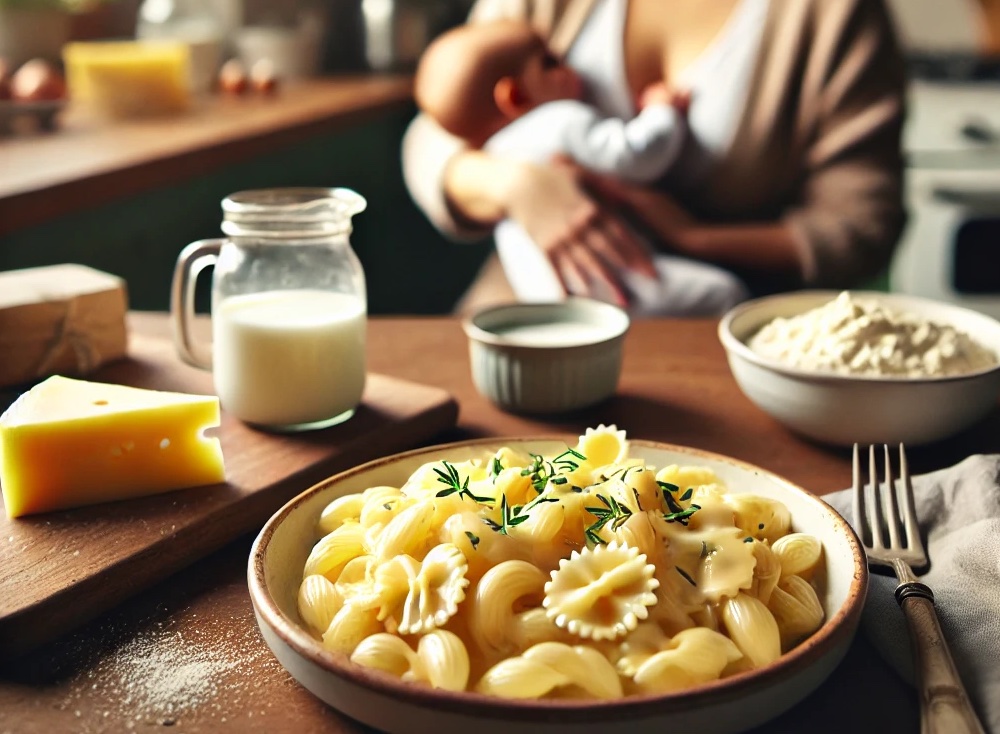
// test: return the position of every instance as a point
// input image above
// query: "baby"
(497, 86)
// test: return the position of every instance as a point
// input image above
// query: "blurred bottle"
(198, 23)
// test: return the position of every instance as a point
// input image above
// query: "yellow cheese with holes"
(67, 443)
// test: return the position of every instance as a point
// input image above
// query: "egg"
(37, 80)
(233, 77)
(263, 76)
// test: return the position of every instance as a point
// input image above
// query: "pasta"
(585, 574)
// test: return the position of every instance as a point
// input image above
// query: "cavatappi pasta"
(588, 574)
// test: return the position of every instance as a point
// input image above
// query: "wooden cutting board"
(61, 569)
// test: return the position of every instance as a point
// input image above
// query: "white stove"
(950, 250)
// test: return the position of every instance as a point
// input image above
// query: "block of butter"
(124, 79)
(67, 443)
(59, 319)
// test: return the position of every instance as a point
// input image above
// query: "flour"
(863, 337)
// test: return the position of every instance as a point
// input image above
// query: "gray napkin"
(959, 513)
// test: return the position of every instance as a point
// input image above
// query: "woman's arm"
(849, 212)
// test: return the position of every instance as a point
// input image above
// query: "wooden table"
(187, 654)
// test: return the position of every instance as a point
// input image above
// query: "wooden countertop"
(89, 162)
(187, 653)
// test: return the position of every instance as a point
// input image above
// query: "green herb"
(683, 516)
(748, 539)
(635, 493)
(623, 471)
(387, 505)
(687, 495)
(541, 471)
(508, 517)
(704, 549)
(576, 489)
(495, 468)
(473, 538)
(450, 477)
(613, 512)
(687, 578)
(667, 490)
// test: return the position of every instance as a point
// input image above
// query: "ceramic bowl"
(543, 358)
(843, 409)
(385, 702)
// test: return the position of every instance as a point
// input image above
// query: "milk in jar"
(289, 358)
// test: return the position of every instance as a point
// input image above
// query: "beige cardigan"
(818, 146)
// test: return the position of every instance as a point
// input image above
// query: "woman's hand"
(769, 248)
(586, 242)
(664, 218)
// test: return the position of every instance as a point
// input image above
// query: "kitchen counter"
(89, 163)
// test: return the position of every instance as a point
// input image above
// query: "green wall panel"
(409, 267)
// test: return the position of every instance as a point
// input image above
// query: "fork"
(944, 703)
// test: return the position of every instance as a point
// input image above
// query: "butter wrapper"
(64, 319)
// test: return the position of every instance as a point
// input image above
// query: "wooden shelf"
(88, 162)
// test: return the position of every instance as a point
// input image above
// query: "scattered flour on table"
(161, 675)
(863, 337)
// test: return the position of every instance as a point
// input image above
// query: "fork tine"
(892, 511)
(909, 513)
(876, 507)
(858, 497)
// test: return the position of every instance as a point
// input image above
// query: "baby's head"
(476, 78)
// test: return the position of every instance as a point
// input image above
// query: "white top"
(718, 79)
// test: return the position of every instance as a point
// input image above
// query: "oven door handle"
(978, 198)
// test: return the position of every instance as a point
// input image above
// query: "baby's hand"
(656, 93)
(660, 93)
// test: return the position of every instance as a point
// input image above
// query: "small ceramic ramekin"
(538, 358)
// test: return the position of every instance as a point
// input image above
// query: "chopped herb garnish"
(683, 516)
(684, 573)
(576, 489)
(613, 512)
(473, 538)
(704, 549)
(541, 472)
(668, 489)
(450, 477)
(687, 495)
(387, 505)
(748, 539)
(760, 526)
(635, 493)
(509, 517)
(495, 467)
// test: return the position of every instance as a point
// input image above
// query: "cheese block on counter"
(65, 319)
(67, 443)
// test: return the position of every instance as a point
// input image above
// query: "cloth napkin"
(959, 513)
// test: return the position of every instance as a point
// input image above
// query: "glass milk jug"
(289, 308)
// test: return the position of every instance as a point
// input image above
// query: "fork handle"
(944, 703)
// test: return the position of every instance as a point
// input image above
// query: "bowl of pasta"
(590, 584)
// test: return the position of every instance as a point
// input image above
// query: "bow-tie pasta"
(582, 574)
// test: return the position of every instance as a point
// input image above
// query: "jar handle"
(190, 263)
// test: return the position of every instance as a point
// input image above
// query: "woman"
(793, 176)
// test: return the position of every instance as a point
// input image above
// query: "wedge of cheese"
(67, 443)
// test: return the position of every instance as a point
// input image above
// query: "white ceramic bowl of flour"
(543, 358)
(842, 409)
